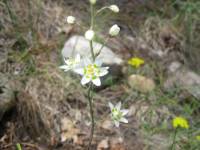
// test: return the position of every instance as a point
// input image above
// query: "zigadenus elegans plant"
(90, 68)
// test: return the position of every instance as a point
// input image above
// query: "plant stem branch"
(100, 10)
(103, 45)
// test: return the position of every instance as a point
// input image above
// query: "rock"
(141, 83)
(185, 80)
(78, 44)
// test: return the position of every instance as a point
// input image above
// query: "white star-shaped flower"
(71, 63)
(117, 114)
(91, 72)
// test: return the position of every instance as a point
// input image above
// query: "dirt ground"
(50, 109)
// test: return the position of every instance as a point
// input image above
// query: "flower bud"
(89, 35)
(71, 20)
(114, 8)
(114, 30)
(93, 2)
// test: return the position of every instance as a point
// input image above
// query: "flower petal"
(96, 81)
(118, 106)
(124, 111)
(65, 67)
(78, 58)
(111, 106)
(79, 71)
(85, 80)
(87, 61)
(103, 71)
(116, 123)
(124, 120)
(98, 62)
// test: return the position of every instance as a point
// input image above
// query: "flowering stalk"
(178, 122)
(174, 139)
(90, 97)
(91, 69)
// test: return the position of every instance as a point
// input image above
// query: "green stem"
(100, 10)
(103, 45)
(91, 86)
(92, 51)
(91, 27)
(92, 115)
(92, 16)
(174, 139)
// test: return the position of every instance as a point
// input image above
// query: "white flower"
(93, 1)
(71, 63)
(114, 30)
(71, 19)
(114, 8)
(117, 114)
(89, 35)
(92, 72)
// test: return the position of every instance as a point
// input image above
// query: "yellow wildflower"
(180, 122)
(136, 62)
(198, 137)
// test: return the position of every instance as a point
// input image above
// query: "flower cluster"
(117, 114)
(180, 122)
(71, 63)
(91, 71)
(136, 62)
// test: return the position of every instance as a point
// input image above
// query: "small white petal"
(87, 61)
(98, 62)
(65, 67)
(97, 81)
(78, 58)
(85, 80)
(79, 71)
(111, 106)
(118, 106)
(116, 123)
(124, 112)
(124, 120)
(103, 71)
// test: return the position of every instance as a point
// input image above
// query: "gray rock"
(185, 80)
(78, 44)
